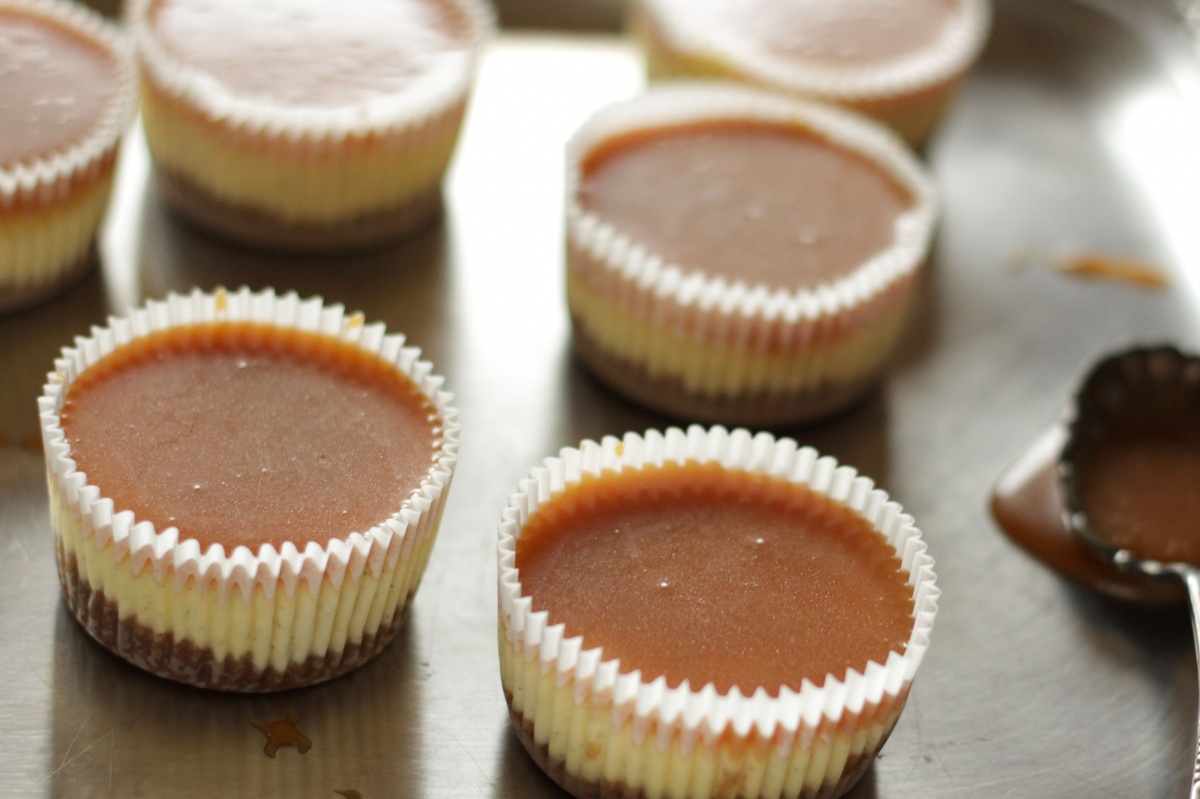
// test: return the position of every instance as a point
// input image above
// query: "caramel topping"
(697, 573)
(314, 53)
(281, 733)
(835, 32)
(1141, 492)
(54, 88)
(759, 203)
(246, 434)
(1028, 508)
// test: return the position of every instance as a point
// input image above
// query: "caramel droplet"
(283, 732)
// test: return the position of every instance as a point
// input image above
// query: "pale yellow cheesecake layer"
(39, 245)
(718, 360)
(275, 629)
(595, 745)
(299, 181)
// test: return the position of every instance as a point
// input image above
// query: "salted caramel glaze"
(697, 573)
(760, 203)
(314, 53)
(838, 32)
(54, 88)
(1141, 492)
(247, 434)
(1027, 506)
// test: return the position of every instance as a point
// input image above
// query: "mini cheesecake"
(244, 488)
(896, 60)
(707, 614)
(66, 96)
(301, 125)
(740, 258)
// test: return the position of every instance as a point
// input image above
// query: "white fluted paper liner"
(596, 725)
(51, 207)
(694, 44)
(362, 580)
(719, 336)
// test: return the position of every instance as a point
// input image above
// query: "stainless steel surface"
(1075, 132)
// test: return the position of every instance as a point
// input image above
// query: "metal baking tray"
(1079, 131)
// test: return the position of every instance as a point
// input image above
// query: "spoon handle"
(1192, 579)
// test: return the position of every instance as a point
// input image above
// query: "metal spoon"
(1152, 393)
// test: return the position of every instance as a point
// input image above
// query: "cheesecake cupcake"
(896, 60)
(66, 96)
(305, 125)
(706, 614)
(738, 257)
(244, 488)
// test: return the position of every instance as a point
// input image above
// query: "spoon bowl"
(1129, 472)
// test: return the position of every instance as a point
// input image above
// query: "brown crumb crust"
(257, 229)
(670, 396)
(856, 766)
(185, 662)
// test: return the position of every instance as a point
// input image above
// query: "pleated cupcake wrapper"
(42, 251)
(123, 543)
(52, 178)
(302, 182)
(412, 109)
(842, 705)
(693, 36)
(752, 319)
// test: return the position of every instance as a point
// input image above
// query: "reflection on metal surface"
(1154, 137)
(1032, 687)
(1189, 12)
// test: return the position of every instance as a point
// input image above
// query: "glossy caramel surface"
(54, 87)
(759, 203)
(242, 434)
(312, 53)
(713, 576)
(1141, 492)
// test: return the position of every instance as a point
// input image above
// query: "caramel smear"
(1127, 270)
(32, 443)
(1093, 265)
(281, 733)
(349, 793)
(1027, 507)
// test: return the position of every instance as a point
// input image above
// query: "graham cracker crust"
(257, 229)
(757, 409)
(856, 766)
(185, 662)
